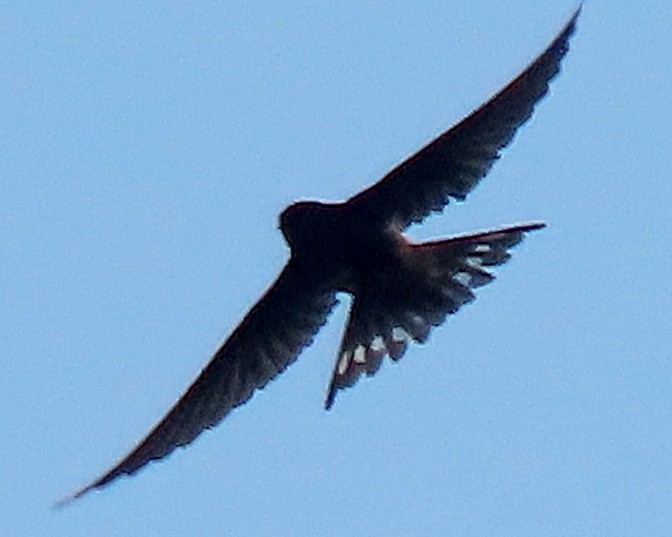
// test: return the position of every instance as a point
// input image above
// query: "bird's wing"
(385, 318)
(268, 339)
(451, 165)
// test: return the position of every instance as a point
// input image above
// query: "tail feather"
(437, 280)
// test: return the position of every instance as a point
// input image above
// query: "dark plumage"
(400, 289)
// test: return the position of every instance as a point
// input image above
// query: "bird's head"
(303, 222)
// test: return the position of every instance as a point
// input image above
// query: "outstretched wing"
(439, 279)
(268, 339)
(452, 164)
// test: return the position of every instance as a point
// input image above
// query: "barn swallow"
(400, 289)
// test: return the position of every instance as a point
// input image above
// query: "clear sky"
(146, 149)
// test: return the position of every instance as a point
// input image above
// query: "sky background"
(146, 149)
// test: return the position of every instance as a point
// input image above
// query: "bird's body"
(334, 243)
(400, 290)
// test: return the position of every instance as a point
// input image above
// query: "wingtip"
(569, 28)
(70, 498)
(96, 484)
(571, 24)
(532, 226)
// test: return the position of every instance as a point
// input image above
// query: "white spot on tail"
(377, 344)
(343, 363)
(473, 261)
(464, 278)
(399, 334)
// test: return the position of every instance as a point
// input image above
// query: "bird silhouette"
(400, 289)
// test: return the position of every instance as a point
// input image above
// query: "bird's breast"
(347, 253)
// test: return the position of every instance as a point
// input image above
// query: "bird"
(400, 290)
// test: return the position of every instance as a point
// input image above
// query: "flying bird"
(400, 289)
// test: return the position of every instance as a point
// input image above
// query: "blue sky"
(145, 152)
